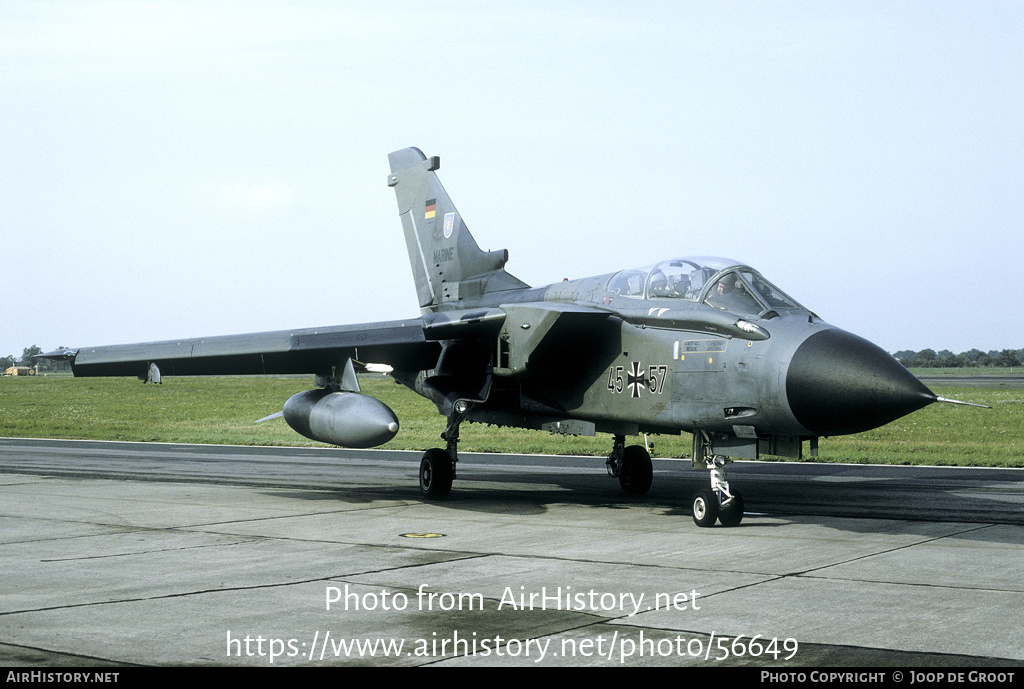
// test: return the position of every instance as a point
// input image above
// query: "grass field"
(223, 410)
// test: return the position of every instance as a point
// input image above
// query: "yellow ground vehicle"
(20, 371)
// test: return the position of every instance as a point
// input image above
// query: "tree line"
(975, 358)
(29, 357)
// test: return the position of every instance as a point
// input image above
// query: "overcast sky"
(183, 169)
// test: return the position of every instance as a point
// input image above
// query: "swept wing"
(400, 344)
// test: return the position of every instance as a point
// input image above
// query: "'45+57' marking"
(636, 379)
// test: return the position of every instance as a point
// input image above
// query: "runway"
(152, 554)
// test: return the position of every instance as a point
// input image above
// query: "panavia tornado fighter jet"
(697, 344)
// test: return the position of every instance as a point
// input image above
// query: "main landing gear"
(717, 502)
(437, 471)
(632, 466)
(437, 468)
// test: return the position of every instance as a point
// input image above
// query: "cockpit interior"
(719, 282)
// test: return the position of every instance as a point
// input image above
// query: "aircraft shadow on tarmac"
(860, 506)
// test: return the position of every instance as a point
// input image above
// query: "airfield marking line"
(65, 654)
(892, 549)
(807, 574)
(135, 553)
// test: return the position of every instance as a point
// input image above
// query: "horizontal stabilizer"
(59, 354)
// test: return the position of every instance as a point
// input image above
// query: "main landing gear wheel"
(436, 474)
(637, 472)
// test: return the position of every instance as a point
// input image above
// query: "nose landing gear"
(717, 502)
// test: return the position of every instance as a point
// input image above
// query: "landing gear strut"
(717, 502)
(437, 468)
(632, 465)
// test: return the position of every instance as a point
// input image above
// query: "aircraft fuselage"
(576, 357)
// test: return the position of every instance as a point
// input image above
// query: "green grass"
(944, 434)
(223, 410)
(968, 372)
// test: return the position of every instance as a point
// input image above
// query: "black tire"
(436, 473)
(705, 507)
(636, 472)
(731, 514)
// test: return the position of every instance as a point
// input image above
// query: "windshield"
(719, 282)
(743, 290)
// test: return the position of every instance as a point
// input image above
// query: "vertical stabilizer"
(448, 266)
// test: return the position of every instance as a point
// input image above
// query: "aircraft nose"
(839, 383)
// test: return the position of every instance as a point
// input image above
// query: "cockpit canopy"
(718, 282)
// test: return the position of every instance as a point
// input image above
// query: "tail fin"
(449, 268)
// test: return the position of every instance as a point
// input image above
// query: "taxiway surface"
(148, 554)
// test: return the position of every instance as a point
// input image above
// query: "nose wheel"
(731, 513)
(705, 507)
(709, 506)
(719, 502)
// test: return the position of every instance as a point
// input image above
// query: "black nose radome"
(839, 383)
